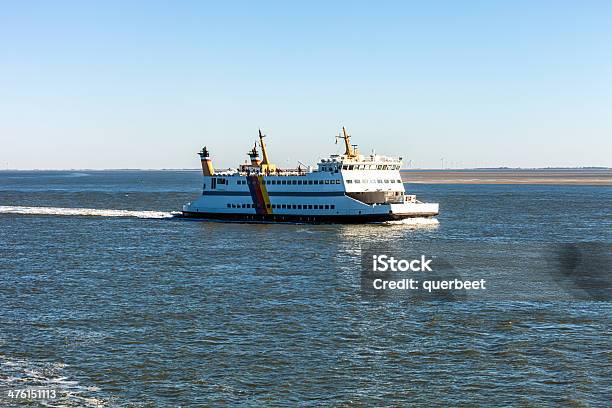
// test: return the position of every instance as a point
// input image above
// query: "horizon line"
(402, 169)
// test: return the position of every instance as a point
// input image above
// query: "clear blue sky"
(132, 84)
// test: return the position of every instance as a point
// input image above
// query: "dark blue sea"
(108, 299)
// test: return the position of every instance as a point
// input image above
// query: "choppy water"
(117, 304)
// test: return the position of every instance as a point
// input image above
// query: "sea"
(110, 300)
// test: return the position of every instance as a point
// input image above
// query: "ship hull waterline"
(310, 219)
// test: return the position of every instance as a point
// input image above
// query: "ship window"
(332, 206)
(309, 182)
(350, 167)
(299, 181)
(345, 167)
(294, 206)
(357, 181)
(284, 182)
(386, 181)
(326, 207)
(316, 181)
(293, 181)
(380, 181)
(349, 181)
(274, 182)
(229, 206)
(310, 206)
(337, 181)
(299, 206)
(392, 181)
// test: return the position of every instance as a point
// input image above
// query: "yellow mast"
(349, 151)
(265, 166)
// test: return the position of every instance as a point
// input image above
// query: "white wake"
(8, 209)
(416, 222)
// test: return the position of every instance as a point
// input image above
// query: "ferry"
(346, 188)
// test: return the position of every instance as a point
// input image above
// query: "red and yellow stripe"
(259, 194)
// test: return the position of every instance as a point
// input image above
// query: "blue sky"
(146, 84)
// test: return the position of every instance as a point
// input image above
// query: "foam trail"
(416, 222)
(7, 209)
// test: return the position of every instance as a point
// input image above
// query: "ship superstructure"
(346, 188)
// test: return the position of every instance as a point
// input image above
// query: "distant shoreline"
(553, 176)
